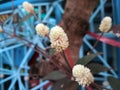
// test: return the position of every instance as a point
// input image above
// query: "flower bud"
(28, 7)
(106, 24)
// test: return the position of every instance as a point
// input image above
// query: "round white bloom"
(42, 29)
(1, 75)
(28, 6)
(58, 39)
(106, 84)
(26, 78)
(82, 75)
(106, 24)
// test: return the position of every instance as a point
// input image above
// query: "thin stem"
(33, 48)
(13, 16)
(36, 16)
(40, 50)
(96, 42)
(66, 60)
(60, 67)
(98, 87)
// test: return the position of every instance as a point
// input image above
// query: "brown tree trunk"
(75, 22)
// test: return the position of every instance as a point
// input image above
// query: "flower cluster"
(42, 29)
(58, 38)
(106, 24)
(82, 75)
(28, 7)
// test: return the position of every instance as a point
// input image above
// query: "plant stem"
(96, 42)
(66, 60)
(60, 67)
(40, 50)
(36, 16)
(99, 87)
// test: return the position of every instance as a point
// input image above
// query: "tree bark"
(75, 22)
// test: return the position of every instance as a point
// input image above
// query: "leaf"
(97, 68)
(55, 75)
(51, 51)
(65, 84)
(86, 59)
(114, 82)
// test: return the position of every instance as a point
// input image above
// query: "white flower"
(26, 78)
(1, 75)
(28, 7)
(82, 75)
(1, 30)
(42, 29)
(106, 24)
(58, 38)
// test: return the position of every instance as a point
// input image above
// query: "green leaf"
(65, 84)
(114, 82)
(97, 68)
(55, 75)
(86, 59)
(51, 51)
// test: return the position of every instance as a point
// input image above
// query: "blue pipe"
(8, 5)
(116, 11)
(12, 83)
(40, 85)
(100, 57)
(6, 79)
(5, 71)
(100, 7)
(21, 86)
(1, 65)
(116, 16)
(11, 47)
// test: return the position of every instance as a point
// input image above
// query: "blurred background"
(16, 58)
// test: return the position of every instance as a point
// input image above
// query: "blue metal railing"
(8, 46)
(116, 13)
(24, 61)
(101, 11)
(100, 8)
(8, 5)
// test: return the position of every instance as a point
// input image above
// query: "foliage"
(65, 84)
(55, 75)
(97, 68)
(86, 59)
(114, 82)
(56, 65)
